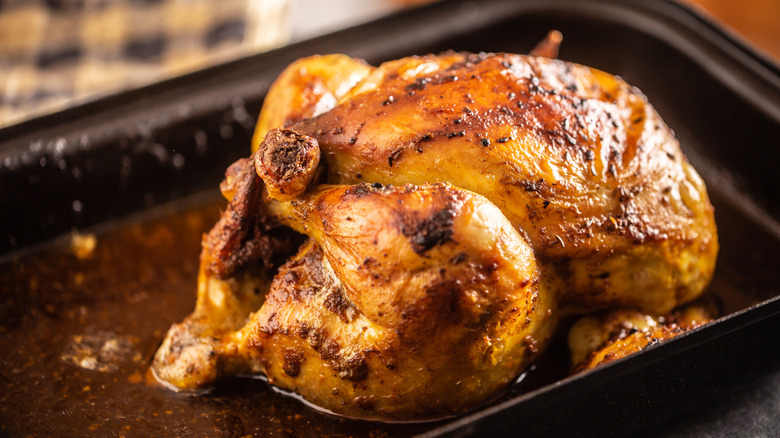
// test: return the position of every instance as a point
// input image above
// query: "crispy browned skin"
(306, 88)
(243, 235)
(575, 158)
(523, 188)
(598, 339)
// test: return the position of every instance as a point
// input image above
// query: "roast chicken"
(447, 211)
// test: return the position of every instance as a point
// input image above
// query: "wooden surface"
(756, 21)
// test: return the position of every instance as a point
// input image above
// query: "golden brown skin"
(595, 340)
(523, 188)
(308, 87)
(414, 302)
(576, 159)
(192, 356)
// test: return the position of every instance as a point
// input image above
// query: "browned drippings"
(79, 325)
(81, 319)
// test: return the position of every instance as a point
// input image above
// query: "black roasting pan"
(139, 171)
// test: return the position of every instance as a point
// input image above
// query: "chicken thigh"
(408, 302)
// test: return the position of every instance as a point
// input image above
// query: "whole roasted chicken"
(453, 208)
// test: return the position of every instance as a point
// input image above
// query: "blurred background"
(57, 53)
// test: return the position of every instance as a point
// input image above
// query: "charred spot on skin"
(312, 266)
(336, 302)
(292, 362)
(303, 330)
(490, 268)
(456, 134)
(329, 349)
(369, 263)
(419, 84)
(363, 189)
(358, 191)
(390, 99)
(589, 155)
(430, 232)
(443, 299)
(270, 326)
(315, 337)
(354, 368)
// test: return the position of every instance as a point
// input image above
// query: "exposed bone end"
(185, 362)
(549, 46)
(287, 162)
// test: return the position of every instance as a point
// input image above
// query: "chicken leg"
(408, 302)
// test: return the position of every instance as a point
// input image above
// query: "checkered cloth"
(57, 52)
